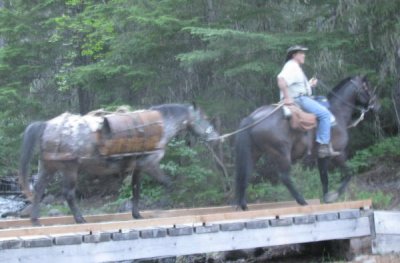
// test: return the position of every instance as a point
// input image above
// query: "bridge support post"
(348, 249)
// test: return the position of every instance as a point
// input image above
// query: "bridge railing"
(9, 186)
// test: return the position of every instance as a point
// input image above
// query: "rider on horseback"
(295, 87)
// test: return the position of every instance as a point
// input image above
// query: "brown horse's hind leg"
(287, 181)
(70, 176)
(39, 187)
(284, 174)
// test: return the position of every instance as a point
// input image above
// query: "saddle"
(299, 119)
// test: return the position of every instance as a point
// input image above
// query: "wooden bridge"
(116, 237)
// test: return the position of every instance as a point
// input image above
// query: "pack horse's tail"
(31, 137)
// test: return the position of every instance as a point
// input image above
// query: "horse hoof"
(242, 207)
(137, 216)
(35, 222)
(331, 197)
(80, 221)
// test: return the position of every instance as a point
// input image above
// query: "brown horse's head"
(365, 95)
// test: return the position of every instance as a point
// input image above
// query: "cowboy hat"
(296, 48)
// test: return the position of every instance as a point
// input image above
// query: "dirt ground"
(384, 178)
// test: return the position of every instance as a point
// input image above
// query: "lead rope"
(226, 135)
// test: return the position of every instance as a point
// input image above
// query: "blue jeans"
(323, 115)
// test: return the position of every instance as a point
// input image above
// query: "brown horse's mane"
(338, 86)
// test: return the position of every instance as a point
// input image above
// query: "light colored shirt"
(295, 79)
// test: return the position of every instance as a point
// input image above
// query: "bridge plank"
(65, 220)
(191, 219)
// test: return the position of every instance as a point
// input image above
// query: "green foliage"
(380, 199)
(150, 190)
(62, 208)
(266, 192)
(388, 149)
(193, 184)
(307, 181)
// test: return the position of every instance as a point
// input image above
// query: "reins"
(226, 135)
(361, 118)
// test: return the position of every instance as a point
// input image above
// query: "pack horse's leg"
(136, 192)
(40, 185)
(70, 177)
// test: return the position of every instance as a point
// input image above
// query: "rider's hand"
(313, 82)
(288, 101)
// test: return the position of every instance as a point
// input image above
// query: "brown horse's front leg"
(328, 197)
(346, 174)
(323, 174)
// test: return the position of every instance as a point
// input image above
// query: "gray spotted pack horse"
(68, 144)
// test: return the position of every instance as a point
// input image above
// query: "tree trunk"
(84, 100)
(211, 14)
(396, 91)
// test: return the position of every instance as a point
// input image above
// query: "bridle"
(196, 120)
(359, 90)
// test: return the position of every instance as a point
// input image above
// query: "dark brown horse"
(274, 137)
(77, 151)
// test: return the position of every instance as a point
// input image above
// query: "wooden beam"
(190, 219)
(66, 220)
(387, 230)
(387, 222)
(140, 248)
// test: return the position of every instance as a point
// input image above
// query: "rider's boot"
(326, 150)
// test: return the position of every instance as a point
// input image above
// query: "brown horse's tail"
(31, 136)
(244, 162)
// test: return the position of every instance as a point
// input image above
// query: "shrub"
(388, 148)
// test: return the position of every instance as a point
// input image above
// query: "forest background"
(81, 55)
